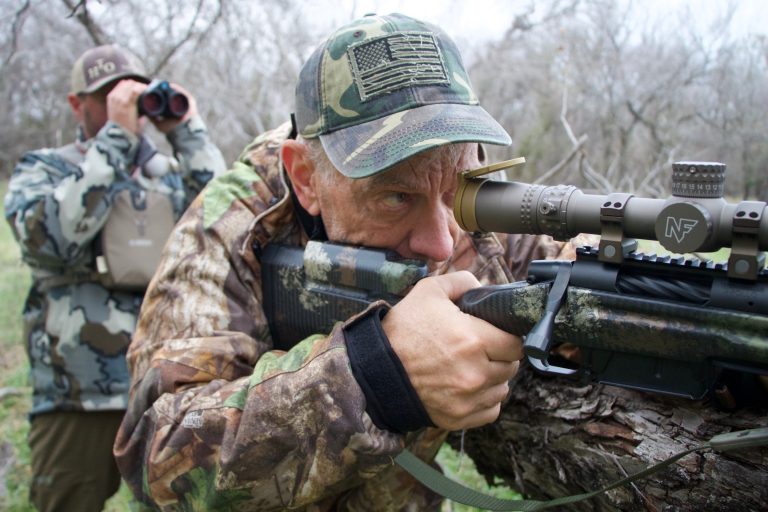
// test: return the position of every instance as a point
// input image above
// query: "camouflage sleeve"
(217, 419)
(56, 208)
(522, 249)
(199, 158)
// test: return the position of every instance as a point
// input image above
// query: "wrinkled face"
(408, 209)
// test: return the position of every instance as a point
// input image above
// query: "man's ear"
(300, 170)
(76, 105)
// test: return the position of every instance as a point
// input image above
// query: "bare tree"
(80, 12)
(642, 97)
(588, 96)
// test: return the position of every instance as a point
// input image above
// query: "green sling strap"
(439, 483)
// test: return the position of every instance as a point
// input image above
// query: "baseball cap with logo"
(384, 88)
(103, 64)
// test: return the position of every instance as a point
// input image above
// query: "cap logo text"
(396, 61)
(106, 67)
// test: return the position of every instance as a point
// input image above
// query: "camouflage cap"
(103, 64)
(384, 88)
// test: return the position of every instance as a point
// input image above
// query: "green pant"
(72, 464)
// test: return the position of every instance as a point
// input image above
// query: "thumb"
(456, 284)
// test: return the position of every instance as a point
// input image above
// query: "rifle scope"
(695, 218)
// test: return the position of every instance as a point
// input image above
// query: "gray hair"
(317, 154)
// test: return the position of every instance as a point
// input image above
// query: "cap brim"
(95, 86)
(369, 148)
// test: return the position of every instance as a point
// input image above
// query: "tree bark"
(555, 438)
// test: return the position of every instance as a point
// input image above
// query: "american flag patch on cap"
(396, 61)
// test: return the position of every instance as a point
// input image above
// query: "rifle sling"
(439, 483)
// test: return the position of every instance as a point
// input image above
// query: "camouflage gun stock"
(307, 290)
(662, 324)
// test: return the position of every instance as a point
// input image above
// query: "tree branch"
(562, 163)
(80, 11)
(592, 176)
(18, 20)
(190, 31)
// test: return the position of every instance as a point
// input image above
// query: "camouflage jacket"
(218, 419)
(57, 202)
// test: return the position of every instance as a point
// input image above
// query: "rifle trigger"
(539, 340)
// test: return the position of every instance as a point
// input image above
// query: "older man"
(385, 119)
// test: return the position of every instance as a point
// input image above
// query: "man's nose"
(431, 237)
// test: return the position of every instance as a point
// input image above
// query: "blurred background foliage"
(602, 94)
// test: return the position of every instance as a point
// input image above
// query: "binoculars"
(159, 99)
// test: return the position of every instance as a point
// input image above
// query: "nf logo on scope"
(678, 228)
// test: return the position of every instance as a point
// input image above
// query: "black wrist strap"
(391, 401)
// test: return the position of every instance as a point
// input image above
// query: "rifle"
(663, 324)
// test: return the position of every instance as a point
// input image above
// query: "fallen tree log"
(556, 438)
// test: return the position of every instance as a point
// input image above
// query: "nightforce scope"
(159, 99)
(695, 218)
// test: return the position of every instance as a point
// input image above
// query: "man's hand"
(166, 124)
(122, 105)
(459, 365)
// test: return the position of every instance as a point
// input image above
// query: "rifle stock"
(307, 291)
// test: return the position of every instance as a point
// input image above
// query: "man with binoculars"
(77, 328)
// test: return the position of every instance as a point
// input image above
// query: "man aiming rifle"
(226, 412)
(385, 120)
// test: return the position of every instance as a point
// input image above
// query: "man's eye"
(395, 199)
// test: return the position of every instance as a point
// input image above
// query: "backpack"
(132, 239)
(129, 245)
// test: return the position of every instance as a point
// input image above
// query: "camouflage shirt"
(58, 200)
(218, 419)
